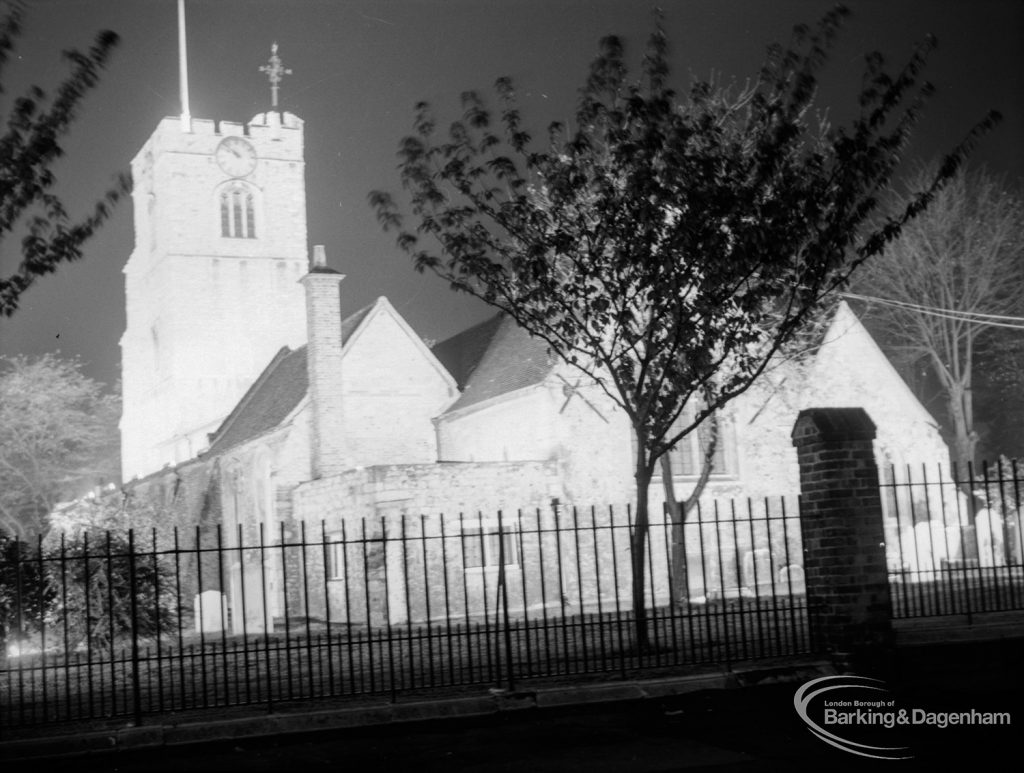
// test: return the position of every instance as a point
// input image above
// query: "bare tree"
(945, 283)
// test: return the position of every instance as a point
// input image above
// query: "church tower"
(212, 285)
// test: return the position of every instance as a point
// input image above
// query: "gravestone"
(210, 612)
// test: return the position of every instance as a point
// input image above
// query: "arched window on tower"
(237, 213)
(250, 217)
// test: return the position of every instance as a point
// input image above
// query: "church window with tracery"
(237, 213)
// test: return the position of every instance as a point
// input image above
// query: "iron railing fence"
(118, 626)
(953, 539)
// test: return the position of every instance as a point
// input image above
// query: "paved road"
(751, 729)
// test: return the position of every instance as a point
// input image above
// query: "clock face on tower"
(236, 156)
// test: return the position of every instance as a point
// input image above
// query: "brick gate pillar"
(843, 539)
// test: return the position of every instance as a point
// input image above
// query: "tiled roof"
(461, 353)
(279, 388)
(493, 358)
(277, 391)
(353, 321)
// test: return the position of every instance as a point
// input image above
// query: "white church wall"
(517, 426)
(257, 480)
(560, 419)
(447, 487)
(851, 369)
(594, 442)
(366, 505)
(391, 389)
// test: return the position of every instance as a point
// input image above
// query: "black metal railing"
(117, 626)
(954, 540)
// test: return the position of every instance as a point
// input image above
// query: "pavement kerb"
(978, 627)
(159, 735)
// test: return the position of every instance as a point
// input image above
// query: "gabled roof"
(845, 321)
(275, 394)
(493, 358)
(841, 310)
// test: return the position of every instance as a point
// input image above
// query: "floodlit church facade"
(256, 403)
(212, 286)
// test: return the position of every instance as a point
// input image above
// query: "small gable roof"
(275, 394)
(493, 358)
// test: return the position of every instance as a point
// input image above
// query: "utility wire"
(977, 318)
(931, 308)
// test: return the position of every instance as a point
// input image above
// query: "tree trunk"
(638, 552)
(674, 510)
(679, 511)
(964, 438)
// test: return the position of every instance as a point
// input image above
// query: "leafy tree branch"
(29, 149)
(674, 243)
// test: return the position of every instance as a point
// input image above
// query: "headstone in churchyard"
(210, 612)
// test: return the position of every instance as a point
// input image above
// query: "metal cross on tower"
(274, 72)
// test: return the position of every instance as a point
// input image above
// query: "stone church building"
(256, 402)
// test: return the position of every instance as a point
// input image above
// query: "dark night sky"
(360, 66)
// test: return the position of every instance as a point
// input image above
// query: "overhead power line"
(977, 318)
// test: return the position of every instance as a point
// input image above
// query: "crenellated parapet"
(276, 136)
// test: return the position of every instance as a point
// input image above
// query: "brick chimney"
(323, 358)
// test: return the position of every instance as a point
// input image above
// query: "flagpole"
(186, 118)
